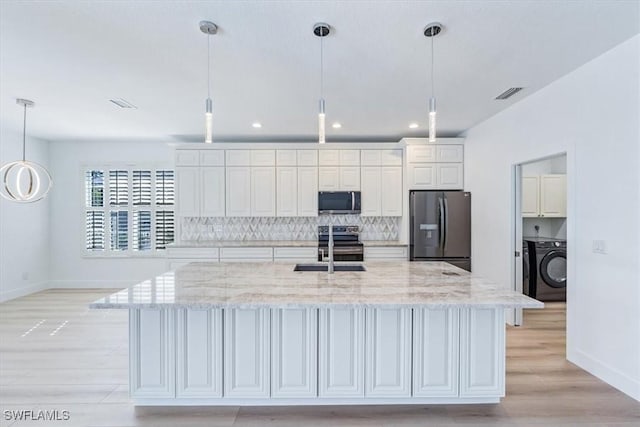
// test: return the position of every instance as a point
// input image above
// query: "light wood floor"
(55, 353)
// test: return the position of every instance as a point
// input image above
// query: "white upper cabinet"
(544, 196)
(263, 157)
(287, 191)
(188, 191)
(449, 176)
(307, 157)
(212, 191)
(422, 176)
(329, 178)
(286, 158)
(349, 157)
(329, 157)
(212, 158)
(349, 178)
(370, 157)
(263, 191)
(307, 191)
(371, 191)
(238, 194)
(238, 157)
(421, 153)
(530, 196)
(391, 193)
(187, 158)
(449, 153)
(391, 157)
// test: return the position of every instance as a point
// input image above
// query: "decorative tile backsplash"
(283, 228)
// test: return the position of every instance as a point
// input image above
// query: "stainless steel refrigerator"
(441, 227)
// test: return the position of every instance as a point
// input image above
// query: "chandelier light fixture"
(321, 30)
(431, 31)
(24, 181)
(209, 28)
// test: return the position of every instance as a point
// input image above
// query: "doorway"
(540, 231)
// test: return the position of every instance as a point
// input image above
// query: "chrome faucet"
(330, 247)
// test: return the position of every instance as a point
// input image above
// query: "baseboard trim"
(23, 291)
(88, 284)
(606, 373)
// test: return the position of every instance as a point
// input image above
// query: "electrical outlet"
(599, 247)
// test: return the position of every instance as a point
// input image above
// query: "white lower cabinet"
(151, 353)
(341, 352)
(482, 352)
(199, 353)
(435, 352)
(246, 353)
(294, 337)
(388, 350)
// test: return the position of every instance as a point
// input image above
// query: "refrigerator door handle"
(446, 223)
(441, 214)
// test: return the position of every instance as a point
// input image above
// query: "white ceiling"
(71, 57)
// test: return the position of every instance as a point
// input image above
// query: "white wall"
(592, 114)
(70, 267)
(24, 228)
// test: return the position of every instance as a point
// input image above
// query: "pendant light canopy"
(321, 30)
(209, 28)
(431, 31)
(24, 181)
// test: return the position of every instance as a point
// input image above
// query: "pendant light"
(431, 31)
(209, 28)
(24, 181)
(321, 30)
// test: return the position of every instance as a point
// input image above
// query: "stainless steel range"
(347, 245)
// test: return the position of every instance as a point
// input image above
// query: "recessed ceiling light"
(413, 126)
(336, 125)
(257, 125)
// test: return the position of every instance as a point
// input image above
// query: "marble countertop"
(276, 285)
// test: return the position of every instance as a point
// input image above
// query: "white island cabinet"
(261, 334)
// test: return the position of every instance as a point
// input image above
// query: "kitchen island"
(261, 334)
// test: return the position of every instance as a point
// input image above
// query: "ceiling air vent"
(123, 103)
(509, 93)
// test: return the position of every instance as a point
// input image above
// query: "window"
(128, 210)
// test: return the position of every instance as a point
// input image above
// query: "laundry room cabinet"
(544, 196)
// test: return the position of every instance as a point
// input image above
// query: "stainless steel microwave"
(339, 202)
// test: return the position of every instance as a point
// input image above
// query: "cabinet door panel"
(391, 190)
(238, 194)
(187, 158)
(349, 157)
(329, 179)
(530, 196)
(553, 196)
(328, 157)
(307, 191)
(449, 176)
(287, 191)
(435, 352)
(151, 344)
(263, 157)
(370, 157)
(238, 157)
(307, 157)
(246, 353)
(263, 191)
(421, 153)
(340, 353)
(482, 363)
(422, 177)
(449, 153)
(349, 178)
(199, 353)
(211, 157)
(294, 352)
(286, 158)
(371, 191)
(212, 199)
(388, 344)
(188, 191)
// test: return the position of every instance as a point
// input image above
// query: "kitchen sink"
(325, 267)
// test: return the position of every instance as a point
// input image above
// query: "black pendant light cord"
(24, 133)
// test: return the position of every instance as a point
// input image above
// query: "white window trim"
(129, 167)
